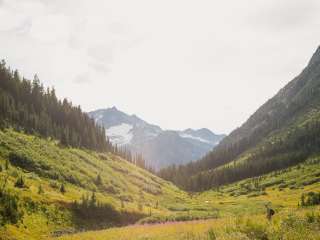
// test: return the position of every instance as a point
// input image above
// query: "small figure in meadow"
(270, 211)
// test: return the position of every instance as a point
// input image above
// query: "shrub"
(10, 212)
(22, 161)
(6, 166)
(310, 199)
(20, 183)
(62, 189)
(98, 180)
(95, 213)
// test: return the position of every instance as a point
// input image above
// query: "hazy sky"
(177, 64)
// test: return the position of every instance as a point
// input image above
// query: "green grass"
(241, 211)
(124, 185)
(289, 225)
(128, 188)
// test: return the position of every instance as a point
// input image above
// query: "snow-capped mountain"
(159, 147)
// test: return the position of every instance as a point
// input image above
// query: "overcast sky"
(178, 64)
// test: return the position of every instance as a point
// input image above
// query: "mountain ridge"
(151, 140)
(275, 136)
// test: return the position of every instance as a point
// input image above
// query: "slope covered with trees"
(28, 106)
(70, 189)
(283, 132)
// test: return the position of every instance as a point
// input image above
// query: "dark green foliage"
(27, 105)
(310, 199)
(6, 167)
(62, 189)
(98, 180)
(98, 214)
(22, 161)
(20, 183)
(10, 212)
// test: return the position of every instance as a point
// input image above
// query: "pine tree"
(62, 189)
(19, 183)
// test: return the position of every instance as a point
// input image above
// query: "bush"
(22, 161)
(93, 212)
(310, 199)
(98, 180)
(62, 189)
(9, 209)
(20, 183)
(311, 181)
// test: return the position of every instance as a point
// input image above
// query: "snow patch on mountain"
(184, 135)
(159, 147)
(120, 134)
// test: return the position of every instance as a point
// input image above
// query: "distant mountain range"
(159, 147)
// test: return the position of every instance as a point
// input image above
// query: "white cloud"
(176, 63)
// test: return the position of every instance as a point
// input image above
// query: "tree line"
(28, 106)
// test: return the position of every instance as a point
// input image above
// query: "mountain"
(159, 147)
(281, 133)
(58, 171)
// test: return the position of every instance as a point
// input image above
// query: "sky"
(175, 63)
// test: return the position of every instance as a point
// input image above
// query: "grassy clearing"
(139, 195)
(290, 225)
(122, 185)
(240, 211)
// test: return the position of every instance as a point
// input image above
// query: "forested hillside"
(283, 132)
(27, 106)
(65, 190)
(58, 171)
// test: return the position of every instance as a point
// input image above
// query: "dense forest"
(27, 106)
(271, 139)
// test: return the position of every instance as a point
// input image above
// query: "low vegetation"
(69, 190)
(293, 225)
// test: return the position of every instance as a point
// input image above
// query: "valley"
(66, 174)
(139, 196)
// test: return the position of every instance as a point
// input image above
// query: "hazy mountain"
(281, 133)
(159, 147)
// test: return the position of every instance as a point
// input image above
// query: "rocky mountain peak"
(316, 57)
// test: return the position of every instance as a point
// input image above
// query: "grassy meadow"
(153, 208)
(289, 225)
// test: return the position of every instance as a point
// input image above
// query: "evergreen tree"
(62, 189)
(19, 183)
(26, 105)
